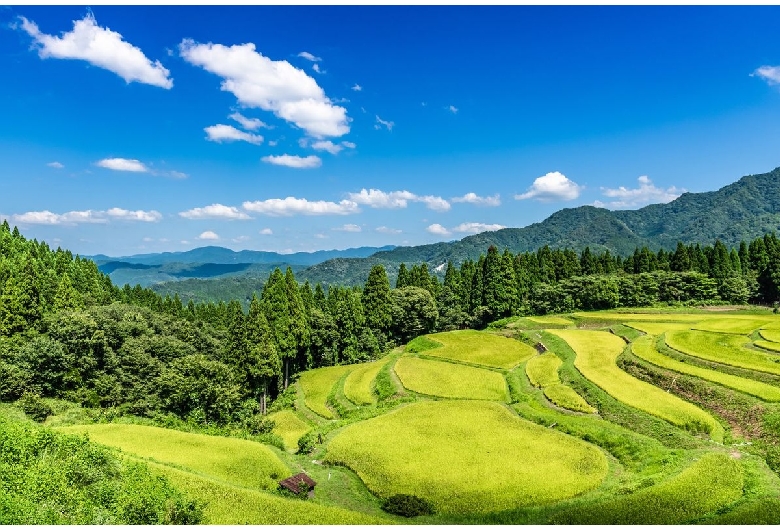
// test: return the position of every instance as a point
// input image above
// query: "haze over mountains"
(740, 211)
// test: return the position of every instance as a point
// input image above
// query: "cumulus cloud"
(208, 235)
(274, 86)
(100, 47)
(55, 165)
(387, 230)
(438, 229)
(770, 74)
(46, 217)
(250, 124)
(473, 198)
(293, 206)
(215, 211)
(309, 56)
(552, 187)
(295, 161)
(266, 232)
(646, 193)
(227, 133)
(476, 228)
(380, 122)
(348, 228)
(357, 88)
(397, 199)
(123, 164)
(330, 147)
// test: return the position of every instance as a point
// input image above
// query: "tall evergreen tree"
(377, 304)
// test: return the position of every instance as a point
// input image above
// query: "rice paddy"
(722, 348)
(772, 335)
(551, 319)
(659, 328)
(358, 386)
(644, 348)
(467, 457)
(597, 352)
(542, 371)
(289, 427)
(480, 348)
(743, 326)
(318, 384)
(444, 379)
(768, 345)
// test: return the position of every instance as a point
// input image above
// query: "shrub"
(307, 442)
(407, 505)
(35, 407)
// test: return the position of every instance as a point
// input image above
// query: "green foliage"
(414, 312)
(421, 344)
(407, 505)
(35, 407)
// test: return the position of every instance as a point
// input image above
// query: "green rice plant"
(768, 345)
(644, 348)
(478, 347)
(226, 504)
(438, 378)
(639, 317)
(239, 462)
(711, 483)
(659, 328)
(722, 348)
(743, 326)
(358, 386)
(761, 511)
(770, 334)
(551, 319)
(565, 397)
(289, 427)
(467, 457)
(421, 344)
(542, 370)
(597, 352)
(317, 385)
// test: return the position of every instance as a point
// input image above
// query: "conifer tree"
(404, 278)
(377, 304)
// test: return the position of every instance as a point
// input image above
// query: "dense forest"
(66, 331)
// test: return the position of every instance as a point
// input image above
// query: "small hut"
(296, 482)
(541, 348)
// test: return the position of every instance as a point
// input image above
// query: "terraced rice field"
(644, 348)
(542, 371)
(722, 348)
(480, 348)
(659, 328)
(772, 335)
(743, 326)
(318, 384)
(241, 463)
(444, 379)
(551, 319)
(768, 345)
(358, 386)
(451, 452)
(597, 352)
(289, 427)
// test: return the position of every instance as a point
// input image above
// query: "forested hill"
(742, 211)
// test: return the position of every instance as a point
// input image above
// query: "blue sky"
(145, 129)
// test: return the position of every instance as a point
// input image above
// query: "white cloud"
(646, 193)
(330, 147)
(250, 124)
(46, 217)
(475, 228)
(273, 143)
(215, 211)
(770, 74)
(293, 206)
(380, 122)
(552, 187)
(349, 145)
(241, 239)
(151, 216)
(438, 229)
(100, 47)
(55, 165)
(148, 239)
(317, 69)
(274, 86)
(297, 162)
(177, 175)
(208, 235)
(397, 199)
(123, 164)
(266, 232)
(387, 230)
(473, 198)
(227, 133)
(309, 56)
(357, 88)
(348, 228)
(318, 236)
(453, 109)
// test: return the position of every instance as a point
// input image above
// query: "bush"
(35, 407)
(407, 505)
(307, 442)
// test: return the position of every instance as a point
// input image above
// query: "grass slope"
(239, 462)
(722, 348)
(439, 378)
(467, 457)
(597, 352)
(644, 348)
(317, 385)
(358, 386)
(482, 348)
